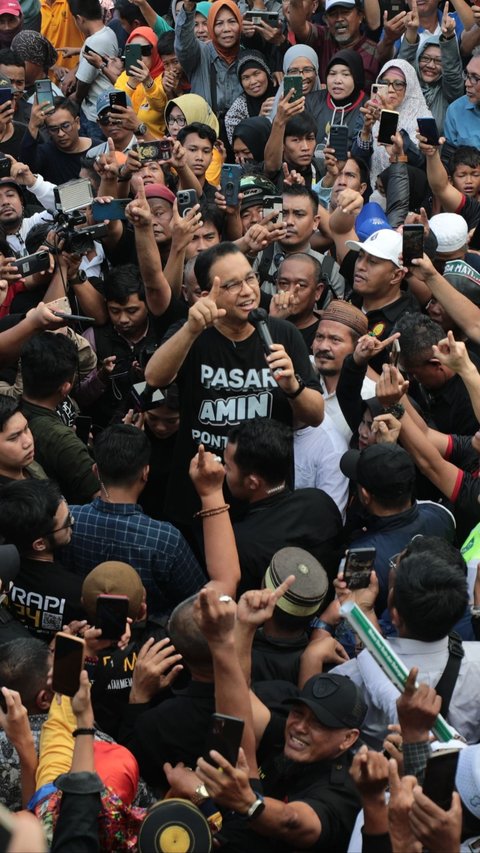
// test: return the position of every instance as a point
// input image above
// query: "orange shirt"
(59, 27)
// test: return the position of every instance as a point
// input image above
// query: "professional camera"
(70, 198)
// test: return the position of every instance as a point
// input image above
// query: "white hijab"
(413, 106)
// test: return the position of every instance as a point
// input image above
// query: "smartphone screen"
(440, 773)
(359, 564)
(388, 126)
(67, 663)
(225, 736)
(111, 616)
(83, 425)
(412, 243)
(6, 94)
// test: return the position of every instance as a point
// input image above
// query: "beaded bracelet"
(207, 513)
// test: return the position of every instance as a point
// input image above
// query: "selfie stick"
(386, 658)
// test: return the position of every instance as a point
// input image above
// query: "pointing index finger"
(215, 290)
(287, 583)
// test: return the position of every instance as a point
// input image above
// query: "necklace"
(276, 489)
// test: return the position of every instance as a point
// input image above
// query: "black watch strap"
(301, 387)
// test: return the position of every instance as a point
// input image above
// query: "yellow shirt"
(59, 27)
(149, 104)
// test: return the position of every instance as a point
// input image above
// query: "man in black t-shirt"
(222, 372)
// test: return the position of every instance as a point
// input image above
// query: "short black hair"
(9, 406)
(202, 130)
(364, 171)
(302, 192)
(24, 666)
(89, 9)
(166, 43)
(187, 638)
(129, 11)
(27, 510)
(37, 236)
(212, 213)
(311, 259)
(430, 590)
(93, 175)
(206, 259)
(465, 155)
(65, 104)
(265, 447)
(122, 282)
(418, 334)
(301, 125)
(121, 452)
(7, 57)
(48, 360)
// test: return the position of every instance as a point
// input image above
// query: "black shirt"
(45, 597)
(449, 409)
(381, 321)
(277, 657)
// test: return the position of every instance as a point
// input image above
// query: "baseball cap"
(103, 100)
(347, 4)
(335, 701)
(382, 469)
(311, 582)
(254, 189)
(339, 311)
(451, 231)
(463, 278)
(385, 243)
(112, 578)
(370, 219)
(10, 7)
(159, 191)
(9, 565)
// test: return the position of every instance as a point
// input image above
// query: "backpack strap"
(448, 679)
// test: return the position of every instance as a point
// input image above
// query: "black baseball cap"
(335, 700)
(382, 469)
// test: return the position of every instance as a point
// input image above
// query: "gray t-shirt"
(103, 42)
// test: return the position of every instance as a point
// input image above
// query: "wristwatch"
(397, 410)
(301, 387)
(78, 278)
(141, 129)
(256, 808)
(201, 794)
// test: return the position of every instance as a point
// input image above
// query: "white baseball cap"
(451, 231)
(385, 243)
(347, 3)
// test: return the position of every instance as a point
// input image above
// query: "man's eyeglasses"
(65, 127)
(398, 85)
(105, 120)
(308, 71)
(235, 286)
(69, 522)
(474, 78)
(180, 121)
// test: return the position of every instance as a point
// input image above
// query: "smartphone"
(67, 663)
(224, 735)
(395, 352)
(88, 49)
(83, 425)
(273, 203)
(133, 55)
(295, 82)
(6, 94)
(230, 183)
(111, 616)
(412, 246)
(39, 262)
(439, 782)
(5, 167)
(77, 317)
(338, 140)
(117, 99)
(45, 96)
(256, 16)
(114, 209)
(396, 6)
(388, 126)
(150, 150)
(380, 90)
(359, 564)
(186, 199)
(428, 128)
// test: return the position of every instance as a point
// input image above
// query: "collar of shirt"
(406, 646)
(400, 519)
(114, 508)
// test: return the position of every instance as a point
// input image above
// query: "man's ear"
(365, 496)
(39, 545)
(253, 482)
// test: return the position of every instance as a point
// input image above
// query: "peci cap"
(159, 191)
(254, 189)
(311, 582)
(335, 701)
(370, 219)
(385, 243)
(382, 469)
(112, 578)
(467, 778)
(103, 100)
(10, 7)
(451, 231)
(9, 565)
(174, 824)
(339, 311)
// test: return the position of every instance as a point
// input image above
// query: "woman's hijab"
(412, 106)
(293, 53)
(254, 59)
(230, 55)
(148, 34)
(254, 132)
(194, 108)
(353, 61)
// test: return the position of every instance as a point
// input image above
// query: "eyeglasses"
(398, 85)
(65, 127)
(308, 71)
(430, 60)
(107, 120)
(235, 286)
(474, 78)
(69, 522)
(180, 121)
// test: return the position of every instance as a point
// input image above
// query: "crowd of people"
(239, 401)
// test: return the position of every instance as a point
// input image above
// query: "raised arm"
(274, 147)
(437, 176)
(298, 23)
(454, 355)
(157, 290)
(461, 309)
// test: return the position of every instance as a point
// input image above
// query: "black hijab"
(254, 59)
(354, 63)
(254, 132)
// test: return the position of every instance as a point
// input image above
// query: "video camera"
(70, 200)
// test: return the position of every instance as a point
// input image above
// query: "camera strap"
(448, 679)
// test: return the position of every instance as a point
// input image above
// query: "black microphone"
(258, 318)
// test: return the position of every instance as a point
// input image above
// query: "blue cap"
(103, 100)
(370, 219)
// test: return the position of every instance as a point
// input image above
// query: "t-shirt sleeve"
(470, 210)
(85, 72)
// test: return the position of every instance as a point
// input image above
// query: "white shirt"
(104, 42)
(431, 659)
(332, 406)
(317, 452)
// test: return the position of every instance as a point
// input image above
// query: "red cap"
(158, 191)
(10, 7)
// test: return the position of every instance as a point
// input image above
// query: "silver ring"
(217, 458)
(225, 598)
